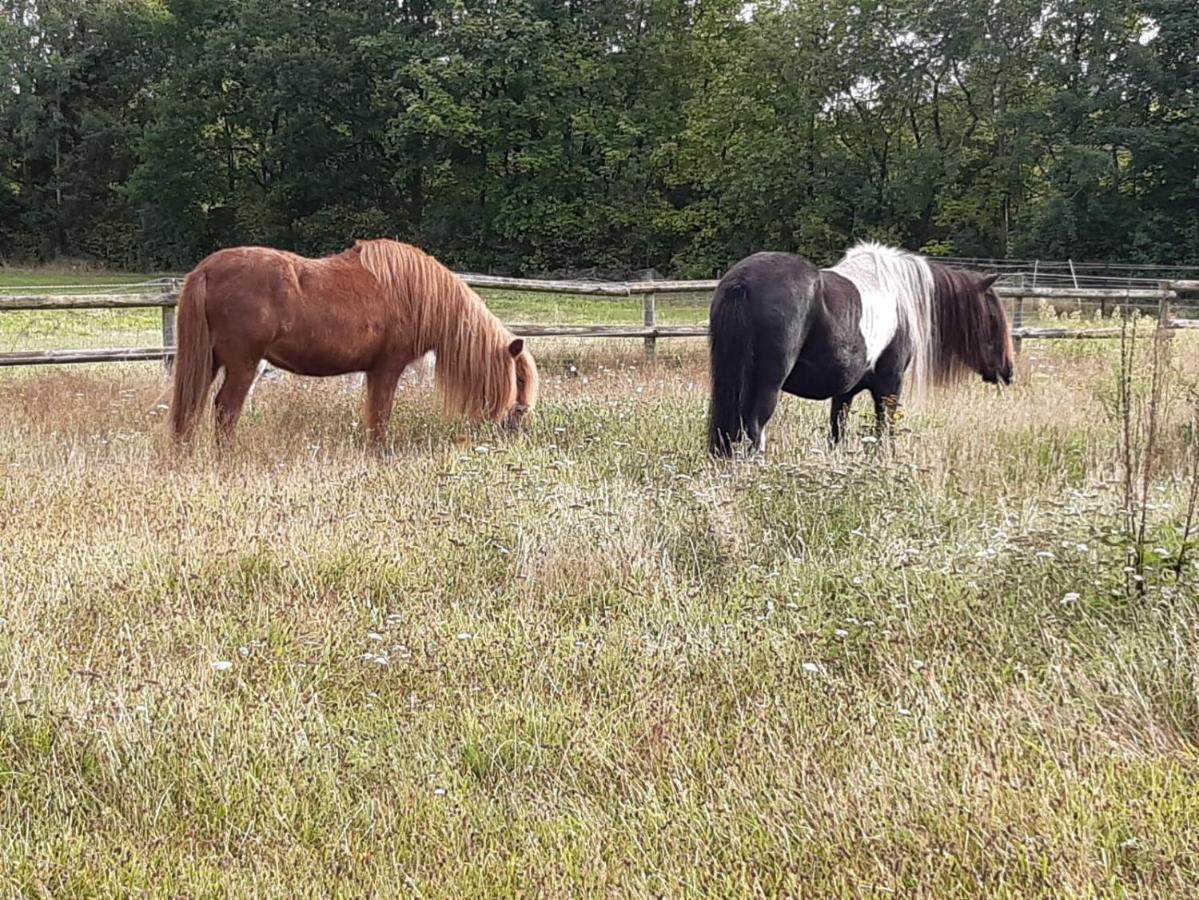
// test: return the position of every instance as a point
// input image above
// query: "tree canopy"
(553, 135)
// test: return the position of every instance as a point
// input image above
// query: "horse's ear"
(516, 347)
(987, 281)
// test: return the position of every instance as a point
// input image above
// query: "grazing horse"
(374, 308)
(778, 323)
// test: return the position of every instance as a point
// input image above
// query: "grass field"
(586, 660)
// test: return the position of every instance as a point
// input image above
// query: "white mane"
(896, 286)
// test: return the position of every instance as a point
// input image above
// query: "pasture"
(586, 659)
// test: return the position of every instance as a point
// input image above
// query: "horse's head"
(997, 357)
(526, 384)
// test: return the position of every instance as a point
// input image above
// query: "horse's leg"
(771, 372)
(380, 395)
(761, 408)
(839, 416)
(886, 401)
(230, 399)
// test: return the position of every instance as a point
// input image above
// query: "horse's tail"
(731, 358)
(193, 357)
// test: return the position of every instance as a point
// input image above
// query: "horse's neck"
(464, 319)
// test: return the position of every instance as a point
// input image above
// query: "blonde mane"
(474, 368)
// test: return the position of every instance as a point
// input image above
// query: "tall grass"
(587, 660)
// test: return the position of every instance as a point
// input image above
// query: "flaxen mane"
(469, 342)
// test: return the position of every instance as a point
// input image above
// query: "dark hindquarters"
(730, 350)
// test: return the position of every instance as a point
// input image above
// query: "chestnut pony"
(374, 308)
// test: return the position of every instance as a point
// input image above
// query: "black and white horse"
(778, 323)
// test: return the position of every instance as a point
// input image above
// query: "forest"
(530, 136)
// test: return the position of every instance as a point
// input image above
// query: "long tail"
(731, 356)
(193, 357)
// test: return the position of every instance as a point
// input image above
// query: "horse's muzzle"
(1004, 377)
(517, 417)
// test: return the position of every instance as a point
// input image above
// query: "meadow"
(586, 659)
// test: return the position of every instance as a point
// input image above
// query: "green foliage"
(528, 136)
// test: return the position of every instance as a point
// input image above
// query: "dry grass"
(587, 660)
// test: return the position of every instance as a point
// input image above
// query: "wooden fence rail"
(164, 295)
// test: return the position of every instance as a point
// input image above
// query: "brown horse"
(373, 308)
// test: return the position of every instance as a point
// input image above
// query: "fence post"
(168, 329)
(1018, 317)
(651, 321)
(1164, 313)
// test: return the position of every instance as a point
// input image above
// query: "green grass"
(512, 306)
(585, 660)
(74, 329)
(17, 280)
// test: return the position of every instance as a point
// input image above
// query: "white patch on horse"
(265, 372)
(895, 286)
(880, 314)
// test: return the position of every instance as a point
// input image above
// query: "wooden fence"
(164, 295)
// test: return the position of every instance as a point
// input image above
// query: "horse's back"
(310, 316)
(770, 269)
(772, 290)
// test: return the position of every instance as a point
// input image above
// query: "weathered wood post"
(1018, 318)
(168, 326)
(650, 304)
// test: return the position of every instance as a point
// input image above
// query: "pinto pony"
(374, 308)
(778, 323)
